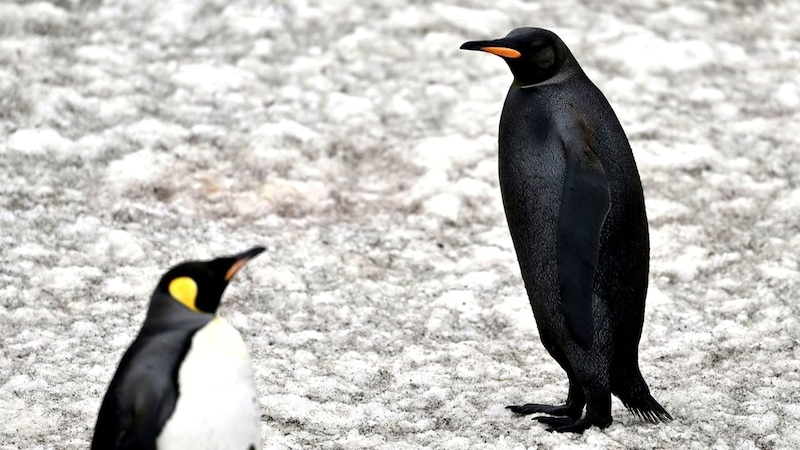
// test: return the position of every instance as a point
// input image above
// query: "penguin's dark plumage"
(144, 395)
(575, 208)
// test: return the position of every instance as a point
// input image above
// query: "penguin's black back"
(144, 390)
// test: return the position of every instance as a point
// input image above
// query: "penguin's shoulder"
(526, 121)
(143, 392)
(547, 108)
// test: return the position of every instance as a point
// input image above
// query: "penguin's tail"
(645, 407)
(635, 395)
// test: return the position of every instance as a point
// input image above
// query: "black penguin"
(575, 208)
(186, 381)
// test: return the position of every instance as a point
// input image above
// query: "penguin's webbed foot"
(564, 424)
(564, 410)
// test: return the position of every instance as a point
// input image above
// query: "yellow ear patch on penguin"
(184, 290)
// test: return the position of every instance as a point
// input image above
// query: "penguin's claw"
(553, 410)
(564, 424)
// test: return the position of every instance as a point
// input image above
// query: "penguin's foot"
(564, 424)
(565, 410)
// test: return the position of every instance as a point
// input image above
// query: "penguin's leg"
(598, 413)
(576, 398)
(572, 408)
(591, 369)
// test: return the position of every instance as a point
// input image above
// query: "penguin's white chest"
(217, 405)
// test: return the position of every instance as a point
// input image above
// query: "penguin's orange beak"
(240, 260)
(491, 47)
(502, 51)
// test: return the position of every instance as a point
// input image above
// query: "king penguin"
(575, 209)
(186, 381)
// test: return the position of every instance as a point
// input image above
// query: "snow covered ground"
(358, 144)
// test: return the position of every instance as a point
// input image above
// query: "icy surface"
(358, 144)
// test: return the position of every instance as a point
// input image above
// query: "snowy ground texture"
(357, 143)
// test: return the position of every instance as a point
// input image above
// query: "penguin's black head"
(198, 285)
(534, 55)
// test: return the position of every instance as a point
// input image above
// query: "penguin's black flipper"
(141, 396)
(584, 205)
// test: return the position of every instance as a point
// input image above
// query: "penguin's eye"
(184, 290)
(544, 57)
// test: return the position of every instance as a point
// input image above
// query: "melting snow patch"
(788, 201)
(119, 247)
(772, 270)
(661, 209)
(137, 168)
(24, 383)
(446, 152)
(657, 297)
(209, 78)
(68, 278)
(344, 107)
(687, 265)
(678, 156)
(444, 205)
(483, 23)
(38, 141)
(656, 55)
(787, 96)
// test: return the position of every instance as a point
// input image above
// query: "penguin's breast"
(531, 155)
(217, 406)
(532, 165)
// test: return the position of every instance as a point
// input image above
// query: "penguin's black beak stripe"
(241, 260)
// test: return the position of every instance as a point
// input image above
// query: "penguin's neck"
(565, 72)
(164, 312)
